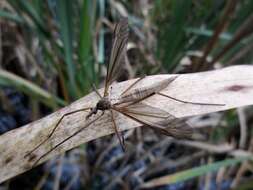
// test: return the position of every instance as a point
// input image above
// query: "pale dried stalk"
(232, 86)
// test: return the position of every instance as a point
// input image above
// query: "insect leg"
(122, 141)
(60, 143)
(132, 85)
(95, 89)
(56, 126)
(187, 102)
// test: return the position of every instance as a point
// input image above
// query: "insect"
(130, 101)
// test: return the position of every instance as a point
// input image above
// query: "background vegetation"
(52, 51)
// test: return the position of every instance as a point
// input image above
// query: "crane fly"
(129, 102)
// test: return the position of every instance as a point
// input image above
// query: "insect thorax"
(103, 104)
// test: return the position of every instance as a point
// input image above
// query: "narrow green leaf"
(64, 14)
(85, 46)
(172, 37)
(28, 8)
(101, 46)
(208, 33)
(195, 172)
(11, 16)
(85, 34)
(25, 86)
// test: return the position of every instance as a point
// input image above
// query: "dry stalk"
(232, 86)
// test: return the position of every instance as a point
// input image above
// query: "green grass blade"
(84, 51)
(195, 172)
(25, 86)
(208, 33)
(12, 17)
(101, 46)
(64, 12)
(172, 38)
(85, 34)
(37, 20)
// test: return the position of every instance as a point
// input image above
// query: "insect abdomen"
(137, 94)
(141, 93)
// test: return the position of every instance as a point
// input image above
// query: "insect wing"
(158, 120)
(117, 52)
(144, 92)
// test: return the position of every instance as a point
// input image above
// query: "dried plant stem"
(232, 86)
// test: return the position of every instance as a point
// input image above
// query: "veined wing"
(117, 52)
(158, 120)
(144, 92)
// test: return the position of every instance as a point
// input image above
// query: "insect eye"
(99, 105)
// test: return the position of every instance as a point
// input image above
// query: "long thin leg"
(95, 89)
(186, 102)
(74, 134)
(132, 85)
(54, 129)
(117, 132)
(123, 140)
